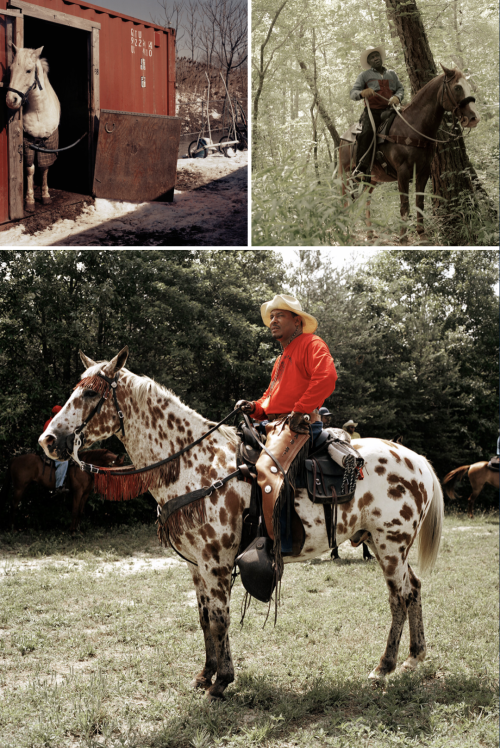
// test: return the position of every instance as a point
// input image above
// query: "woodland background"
(306, 59)
(414, 334)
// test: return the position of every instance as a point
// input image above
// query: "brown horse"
(30, 468)
(419, 123)
(479, 475)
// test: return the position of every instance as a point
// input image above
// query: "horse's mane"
(422, 92)
(144, 387)
(45, 65)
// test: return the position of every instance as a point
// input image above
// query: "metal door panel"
(136, 156)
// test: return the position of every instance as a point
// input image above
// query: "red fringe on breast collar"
(115, 486)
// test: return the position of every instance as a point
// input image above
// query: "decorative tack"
(268, 489)
(274, 469)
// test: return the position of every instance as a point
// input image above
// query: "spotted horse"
(398, 501)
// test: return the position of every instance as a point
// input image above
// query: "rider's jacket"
(303, 377)
(387, 83)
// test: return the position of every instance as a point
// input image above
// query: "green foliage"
(292, 207)
(415, 339)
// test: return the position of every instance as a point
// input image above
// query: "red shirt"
(47, 424)
(303, 376)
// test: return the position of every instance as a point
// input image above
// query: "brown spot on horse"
(365, 500)
(406, 512)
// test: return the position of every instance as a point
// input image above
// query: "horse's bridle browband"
(24, 97)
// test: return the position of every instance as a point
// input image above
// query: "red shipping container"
(99, 61)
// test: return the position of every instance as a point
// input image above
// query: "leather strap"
(401, 140)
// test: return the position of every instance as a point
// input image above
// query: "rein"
(461, 103)
(36, 147)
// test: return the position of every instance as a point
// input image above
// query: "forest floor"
(209, 209)
(100, 639)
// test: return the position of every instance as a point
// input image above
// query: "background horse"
(479, 475)
(30, 468)
(399, 499)
(449, 92)
(30, 87)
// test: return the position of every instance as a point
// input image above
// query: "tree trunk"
(451, 171)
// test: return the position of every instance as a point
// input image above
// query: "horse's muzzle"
(57, 446)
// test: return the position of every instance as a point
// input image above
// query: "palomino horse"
(399, 499)
(422, 117)
(479, 475)
(30, 468)
(30, 88)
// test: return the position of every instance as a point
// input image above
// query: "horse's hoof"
(46, 200)
(201, 682)
(29, 207)
(377, 675)
(412, 662)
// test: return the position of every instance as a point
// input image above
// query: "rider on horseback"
(303, 377)
(381, 88)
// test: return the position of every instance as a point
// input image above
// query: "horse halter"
(24, 97)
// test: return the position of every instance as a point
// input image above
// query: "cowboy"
(325, 416)
(61, 467)
(381, 88)
(350, 427)
(303, 377)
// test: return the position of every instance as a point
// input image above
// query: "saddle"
(494, 464)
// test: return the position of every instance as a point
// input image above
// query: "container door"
(136, 156)
(11, 124)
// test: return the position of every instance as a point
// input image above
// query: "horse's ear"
(86, 361)
(14, 48)
(447, 71)
(118, 362)
(38, 52)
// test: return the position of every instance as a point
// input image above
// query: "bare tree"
(191, 27)
(171, 18)
(227, 22)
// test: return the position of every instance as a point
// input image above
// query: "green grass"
(93, 656)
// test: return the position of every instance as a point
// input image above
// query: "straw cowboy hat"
(349, 423)
(290, 304)
(364, 57)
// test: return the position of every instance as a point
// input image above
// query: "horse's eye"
(29, 71)
(89, 394)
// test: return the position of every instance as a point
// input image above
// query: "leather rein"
(461, 103)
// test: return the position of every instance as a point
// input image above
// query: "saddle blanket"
(43, 160)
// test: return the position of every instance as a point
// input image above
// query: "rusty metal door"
(136, 156)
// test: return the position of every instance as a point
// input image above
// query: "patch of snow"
(210, 191)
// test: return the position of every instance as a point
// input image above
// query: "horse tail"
(429, 537)
(453, 478)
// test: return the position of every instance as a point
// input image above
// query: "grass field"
(99, 640)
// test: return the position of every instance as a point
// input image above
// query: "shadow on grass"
(257, 709)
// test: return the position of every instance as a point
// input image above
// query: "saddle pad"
(323, 475)
(350, 134)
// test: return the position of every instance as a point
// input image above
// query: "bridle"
(103, 385)
(24, 96)
(458, 105)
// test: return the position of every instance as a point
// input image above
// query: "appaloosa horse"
(30, 468)
(479, 474)
(414, 133)
(399, 499)
(30, 88)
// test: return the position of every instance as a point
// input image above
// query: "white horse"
(30, 87)
(399, 499)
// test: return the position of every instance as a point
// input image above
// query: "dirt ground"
(210, 208)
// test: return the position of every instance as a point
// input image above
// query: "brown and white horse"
(479, 475)
(398, 500)
(449, 92)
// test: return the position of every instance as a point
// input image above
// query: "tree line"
(414, 335)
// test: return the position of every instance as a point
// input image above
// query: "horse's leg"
(30, 189)
(397, 579)
(404, 188)
(79, 500)
(213, 589)
(416, 624)
(420, 183)
(367, 556)
(46, 199)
